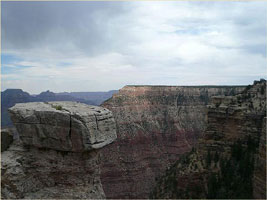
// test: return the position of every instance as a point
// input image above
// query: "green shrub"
(58, 107)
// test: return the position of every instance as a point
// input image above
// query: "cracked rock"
(63, 126)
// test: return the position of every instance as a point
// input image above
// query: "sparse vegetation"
(57, 107)
(235, 178)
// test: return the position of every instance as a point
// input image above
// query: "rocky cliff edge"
(57, 153)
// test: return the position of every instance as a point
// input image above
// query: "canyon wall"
(230, 158)
(155, 125)
(57, 153)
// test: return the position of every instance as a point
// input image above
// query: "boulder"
(63, 126)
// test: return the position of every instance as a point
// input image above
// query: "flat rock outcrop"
(65, 126)
(155, 126)
(229, 161)
(57, 153)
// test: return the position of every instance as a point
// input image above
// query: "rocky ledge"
(57, 153)
(64, 126)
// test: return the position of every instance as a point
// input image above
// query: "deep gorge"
(155, 126)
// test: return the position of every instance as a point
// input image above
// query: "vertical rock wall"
(230, 158)
(155, 125)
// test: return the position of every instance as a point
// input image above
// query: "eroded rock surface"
(6, 139)
(65, 126)
(57, 155)
(155, 125)
(229, 161)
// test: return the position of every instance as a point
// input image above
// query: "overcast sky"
(99, 46)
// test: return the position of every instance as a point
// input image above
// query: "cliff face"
(57, 154)
(259, 175)
(230, 159)
(155, 125)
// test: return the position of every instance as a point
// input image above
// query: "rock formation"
(230, 159)
(6, 139)
(155, 125)
(57, 155)
(12, 96)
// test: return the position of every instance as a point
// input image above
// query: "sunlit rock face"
(57, 155)
(155, 125)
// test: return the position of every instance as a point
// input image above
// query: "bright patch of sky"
(100, 46)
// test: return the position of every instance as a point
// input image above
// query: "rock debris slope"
(155, 125)
(57, 155)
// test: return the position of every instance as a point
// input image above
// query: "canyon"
(155, 126)
(143, 142)
(229, 160)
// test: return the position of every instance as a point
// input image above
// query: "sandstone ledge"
(63, 126)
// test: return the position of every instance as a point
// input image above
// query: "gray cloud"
(106, 45)
(97, 27)
(83, 25)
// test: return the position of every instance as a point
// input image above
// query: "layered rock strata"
(230, 159)
(65, 126)
(155, 125)
(57, 155)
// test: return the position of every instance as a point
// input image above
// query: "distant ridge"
(197, 86)
(96, 97)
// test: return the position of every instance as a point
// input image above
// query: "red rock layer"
(155, 125)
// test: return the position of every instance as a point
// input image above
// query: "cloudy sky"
(99, 46)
